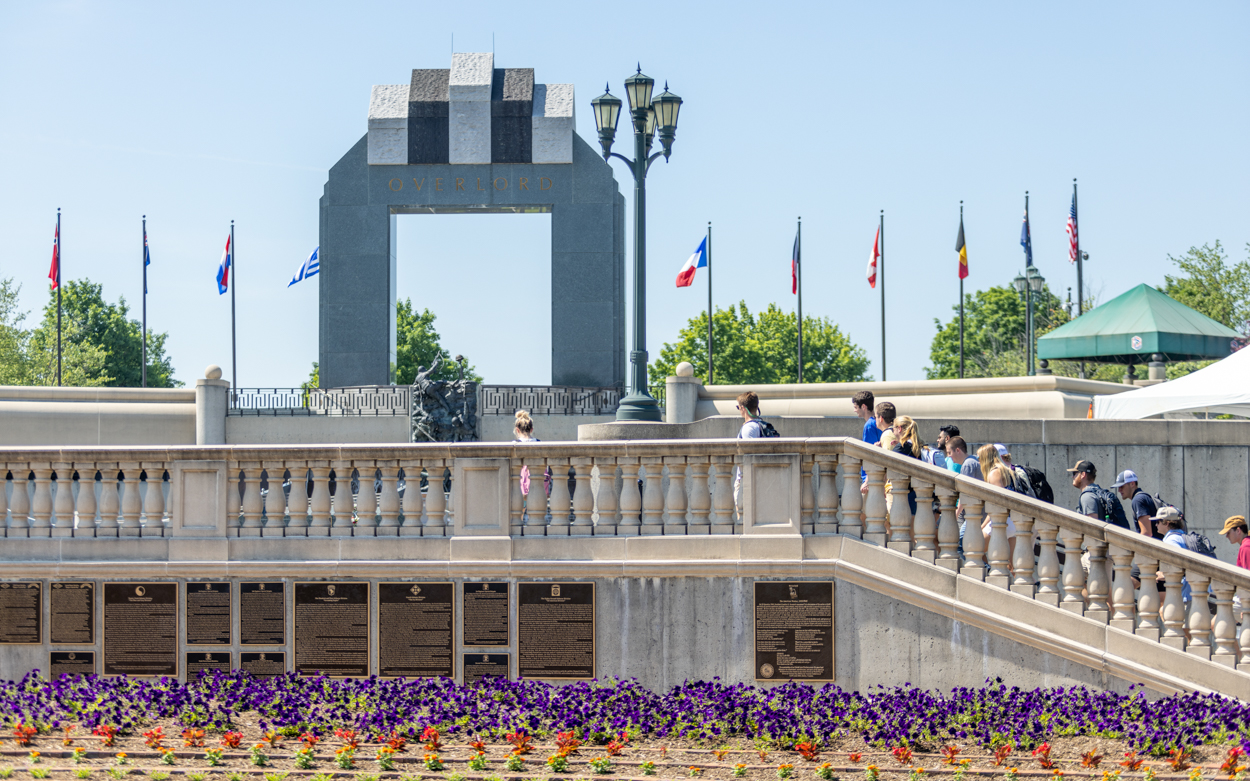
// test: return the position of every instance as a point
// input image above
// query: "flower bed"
(231, 727)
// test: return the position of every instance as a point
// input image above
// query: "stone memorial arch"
(471, 139)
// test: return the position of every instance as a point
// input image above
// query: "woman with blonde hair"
(908, 442)
(523, 431)
(995, 472)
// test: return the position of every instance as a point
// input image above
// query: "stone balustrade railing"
(788, 488)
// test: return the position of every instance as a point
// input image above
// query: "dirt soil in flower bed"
(672, 760)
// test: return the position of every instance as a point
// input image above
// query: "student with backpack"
(753, 427)
(1144, 507)
(1095, 501)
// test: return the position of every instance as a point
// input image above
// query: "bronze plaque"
(332, 629)
(73, 613)
(556, 628)
(486, 614)
(794, 631)
(263, 664)
(262, 613)
(208, 614)
(71, 663)
(213, 660)
(479, 666)
(21, 613)
(141, 629)
(415, 625)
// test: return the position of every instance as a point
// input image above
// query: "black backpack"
(1196, 542)
(766, 429)
(1160, 503)
(1112, 510)
(1041, 488)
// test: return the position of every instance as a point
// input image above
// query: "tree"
(13, 338)
(1212, 287)
(762, 350)
(108, 345)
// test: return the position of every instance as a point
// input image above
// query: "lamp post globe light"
(1029, 285)
(647, 115)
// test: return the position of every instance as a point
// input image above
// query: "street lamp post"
(648, 115)
(1029, 285)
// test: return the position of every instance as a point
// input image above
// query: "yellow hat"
(1233, 523)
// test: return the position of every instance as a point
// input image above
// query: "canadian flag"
(872, 259)
(54, 273)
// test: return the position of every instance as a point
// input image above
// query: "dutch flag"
(309, 268)
(685, 277)
(223, 271)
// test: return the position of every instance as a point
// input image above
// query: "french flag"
(223, 271)
(685, 277)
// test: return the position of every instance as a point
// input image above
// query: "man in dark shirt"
(1143, 505)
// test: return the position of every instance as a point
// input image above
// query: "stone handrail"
(789, 488)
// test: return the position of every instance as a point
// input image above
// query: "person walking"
(1144, 507)
(752, 428)
(1235, 532)
(862, 403)
(939, 452)
(523, 431)
(997, 473)
(956, 454)
(1169, 519)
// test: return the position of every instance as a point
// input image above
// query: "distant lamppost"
(1029, 285)
(648, 115)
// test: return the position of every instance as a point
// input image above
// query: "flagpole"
(799, 274)
(234, 282)
(59, 261)
(1028, 293)
(881, 274)
(709, 302)
(144, 261)
(961, 305)
(1080, 289)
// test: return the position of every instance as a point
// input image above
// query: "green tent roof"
(1133, 326)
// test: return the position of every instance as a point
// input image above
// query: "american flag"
(1073, 241)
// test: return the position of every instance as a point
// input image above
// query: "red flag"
(54, 273)
(794, 267)
(872, 259)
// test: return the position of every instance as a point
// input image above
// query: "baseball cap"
(1233, 523)
(1125, 477)
(1083, 466)
(1167, 514)
(1002, 451)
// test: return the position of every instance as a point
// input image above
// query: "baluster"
(1096, 585)
(536, 499)
(700, 496)
(342, 500)
(297, 500)
(1224, 628)
(605, 499)
(807, 495)
(558, 502)
(583, 503)
(436, 498)
(19, 523)
(412, 500)
(252, 500)
(1122, 595)
(110, 501)
(924, 525)
(675, 501)
(998, 548)
(1047, 564)
(1073, 574)
(449, 514)
(1199, 614)
(1022, 558)
(630, 523)
(62, 518)
(1173, 613)
(366, 500)
(154, 500)
(41, 503)
(275, 501)
(652, 497)
(516, 499)
(947, 528)
(901, 518)
(1243, 639)
(1148, 603)
(974, 538)
(736, 471)
(388, 502)
(874, 505)
(850, 516)
(85, 504)
(319, 508)
(130, 500)
(827, 495)
(720, 474)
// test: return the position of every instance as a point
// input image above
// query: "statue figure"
(443, 410)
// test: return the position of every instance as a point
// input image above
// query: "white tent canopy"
(1223, 388)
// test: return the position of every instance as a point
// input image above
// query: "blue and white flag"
(1026, 240)
(308, 268)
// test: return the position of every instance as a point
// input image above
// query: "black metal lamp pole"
(647, 115)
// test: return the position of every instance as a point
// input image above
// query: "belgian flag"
(961, 248)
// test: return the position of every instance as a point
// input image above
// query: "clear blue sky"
(196, 114)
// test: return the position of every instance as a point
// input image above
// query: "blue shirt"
(1176, 538)
(951, 465)
(872, 434)
(971, 467)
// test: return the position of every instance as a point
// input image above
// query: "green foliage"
(417, 344)
(1211, 286)
(29, 357)
(994, 323)
(760, 349)
(13, 338)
